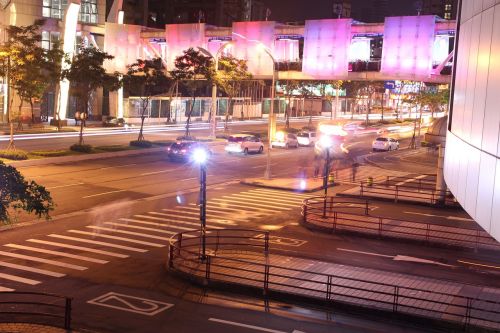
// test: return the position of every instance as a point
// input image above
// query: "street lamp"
(326, 143)
(213, 108)
(200, 156)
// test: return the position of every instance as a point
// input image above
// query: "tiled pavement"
(30, 328)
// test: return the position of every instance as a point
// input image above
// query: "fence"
(242, 264)
(15, 305)
(326, 214)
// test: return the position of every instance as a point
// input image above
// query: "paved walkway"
(30, 328)
(369, 288)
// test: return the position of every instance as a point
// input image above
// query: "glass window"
(55, 9)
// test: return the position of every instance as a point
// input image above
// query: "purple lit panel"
(326, 48)
(181, 37)
(408, 45)
(247, 36)
(123, 41)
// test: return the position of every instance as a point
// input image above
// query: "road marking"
(367, 253)
(129, 303)
(278, 194)
(263, 166)
(166, 220)
(89, 241)
(119, 166)
(265, 197)
(3, 289)
(81, 248)
(282, 240)
(61, 186)
(188, 179)
(193, 209)
(268, 200)
(95, 234)
(410, 180)
(45, 261)
(156, 172)
(31, 269)
(131, 233)
(252, 327)
(420, 260)
(19, 279)
(104, 193)
(127, 225)
(442, 216)
(56, 253)
(477, 264)
(223, 202)
(210, 219)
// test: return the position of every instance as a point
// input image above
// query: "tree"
(229, 78)
(193, 69)
(329, 96)
(18, 194)
(290, 88)
(86, 74)
(145, 77)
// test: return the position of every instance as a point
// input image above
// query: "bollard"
(369, 181)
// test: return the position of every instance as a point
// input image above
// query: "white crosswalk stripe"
(90, 241)
(256, 203)
(131, 226)
(56, 253)
(166, 220)
(31, 269)
(42, 260)
(183, 215)
(280, 194)
(18, 279)
(224, 202)
(126, 232)
(261, 198)
(81, 248)
(3, 289)
(125, 239)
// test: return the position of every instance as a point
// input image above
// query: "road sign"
(129, 303)
(390, 85)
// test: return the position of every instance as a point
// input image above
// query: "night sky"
(299, 10)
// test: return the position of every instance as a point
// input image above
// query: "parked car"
(244, 143)
(114, 122)
(385, 144)
(285, 140)
(183, 151)
(306, 138)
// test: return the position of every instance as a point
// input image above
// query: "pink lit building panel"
(181, 37)
(408, 45)
(123, 41)
(326, 48)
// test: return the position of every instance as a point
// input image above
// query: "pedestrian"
(354, 170)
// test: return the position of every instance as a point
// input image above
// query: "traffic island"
(304, 185)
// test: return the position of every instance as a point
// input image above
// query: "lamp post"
(200, 156)
(326, 142)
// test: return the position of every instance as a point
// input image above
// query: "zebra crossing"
(56, 255)
(365, 171)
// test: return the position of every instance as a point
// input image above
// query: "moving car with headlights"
(183, 151)
(385, 144)
(306, 138)
(244, 143)
(285, 140)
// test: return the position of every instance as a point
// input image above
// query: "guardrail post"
(366, 207)
(67, 314)
(324, 207)
(305, 212)
(171, 256)
(428, 233)
(266, 279)
(328, 287)
(380, 221)
(179, 241)
(331, 204)
(396, 299)
(334, 225)
(266, 244)
(217, 241)
(208, 259)
(468, 311)
(387, 181)
(396, 194)
(361, 188)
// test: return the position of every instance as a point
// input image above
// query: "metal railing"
(253, 269)
(361, 221)
(15, 305)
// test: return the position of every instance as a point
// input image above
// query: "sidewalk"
(30, 328)
(411, 295)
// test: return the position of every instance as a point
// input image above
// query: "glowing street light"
(200, 156)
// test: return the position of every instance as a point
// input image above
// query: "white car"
(244, 143)
(285, 140)
(385, 144)
(306, 138)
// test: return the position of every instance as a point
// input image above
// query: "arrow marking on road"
(442, 216)
(257, 328)
(399, 257)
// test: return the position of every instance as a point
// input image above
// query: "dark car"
(114, 122)
(183, 151)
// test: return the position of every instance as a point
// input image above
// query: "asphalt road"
(108, 222)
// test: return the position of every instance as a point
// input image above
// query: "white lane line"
(119, 166)
(165, 220)
(263, 166)
(442, 216)
(56, 253)
(261, 198)
(250, 205)
(270, 201)
(45, 261)
(273, 196)
(104, 193)
(410, 180)
(367, 253)
(81, 248)
(96, 234)
(127, 225)
(252, 327)
(156, 172)
(281, 194)
(31, 269)
(131, 233)
(61, 186)
(90, 241)
(19, 279)
(6, 289)
(221, 220)
(188, 179)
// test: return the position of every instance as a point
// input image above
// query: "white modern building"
(472, 160)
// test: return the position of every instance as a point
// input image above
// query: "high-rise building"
(371, 11)
(446, 9)
(342, 8)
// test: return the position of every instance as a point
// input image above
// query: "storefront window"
(55, 9)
